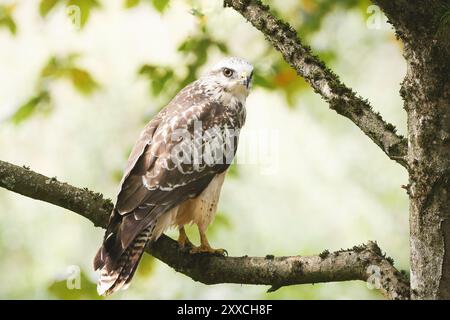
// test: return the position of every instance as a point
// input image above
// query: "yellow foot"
(208, 250)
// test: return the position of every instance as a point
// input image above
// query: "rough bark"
(339, 97)
(421, 26)
(365, 262)
(424, 28)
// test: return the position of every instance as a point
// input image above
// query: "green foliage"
(82, 80)
(279, 76)
(159, 5)
(87, 290)
(262, 81)
(46, 5)
(85, 7)
(6, 19)
(131, 3)
(166, 81)
(195, 49)
(311, 13)
(55, 69)
(39, 102)
(65, 68)
(159, 76)
(282, 77)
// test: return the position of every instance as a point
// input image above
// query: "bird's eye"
(227, 72)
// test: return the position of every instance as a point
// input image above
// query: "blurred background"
(80, 78)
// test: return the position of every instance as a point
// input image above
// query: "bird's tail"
(116, 276)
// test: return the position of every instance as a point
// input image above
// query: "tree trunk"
(423, 28)
(428, 105)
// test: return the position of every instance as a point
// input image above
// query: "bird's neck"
(226, 97)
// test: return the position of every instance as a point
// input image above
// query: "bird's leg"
(183, 240)
(205, 246)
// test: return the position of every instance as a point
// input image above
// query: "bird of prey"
(175, 172)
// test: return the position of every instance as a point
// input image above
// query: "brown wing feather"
(151, 185)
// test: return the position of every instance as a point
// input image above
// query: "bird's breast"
(201, 209)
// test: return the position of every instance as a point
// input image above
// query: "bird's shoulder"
(150, 158)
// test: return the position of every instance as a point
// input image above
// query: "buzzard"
(175, 171)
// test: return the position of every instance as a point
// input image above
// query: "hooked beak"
(246, 79)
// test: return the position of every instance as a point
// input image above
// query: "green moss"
(262, 25)
(317, 75)
(359, 248)
(263, 6)
(51, 180)
(390, 127)
(389, 259)
(324, 254)
(396, 149)
(309, 60)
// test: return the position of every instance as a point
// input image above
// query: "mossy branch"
(323, 80)
(365, 263)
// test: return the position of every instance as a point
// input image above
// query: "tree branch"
(340, 98)
(365, 263)
(414, 17)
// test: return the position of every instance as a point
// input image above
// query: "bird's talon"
(208, 250)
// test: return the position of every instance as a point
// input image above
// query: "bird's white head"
(230, 78)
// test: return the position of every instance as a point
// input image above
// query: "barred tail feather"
(114, 278)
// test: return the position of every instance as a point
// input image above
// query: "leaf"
(159, 85)
(263, 82)
(287, 80)
(159, 77)
(65, 67)
(46, 6)
(222, 47)
(160, 5)
(10, 24)
(26, 110)
(197, 48)
(80, 10)
(82, 80)
(146, 69)
(52, 68)
(285, 77)
(6, 19)
(131, 3)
